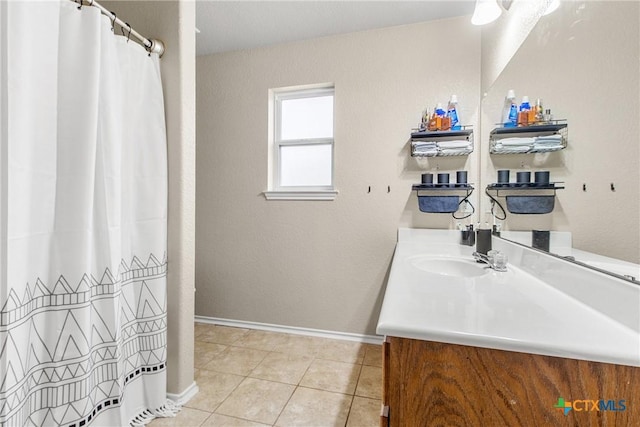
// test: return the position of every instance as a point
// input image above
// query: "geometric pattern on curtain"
(68, 379)
(83, 213)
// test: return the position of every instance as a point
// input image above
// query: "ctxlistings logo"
(590, 405)
(565, 406)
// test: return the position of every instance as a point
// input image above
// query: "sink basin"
(447, 266)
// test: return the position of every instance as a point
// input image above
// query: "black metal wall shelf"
(442, 143)
(547, 127)
(540, 138)
(442, 198)
(441, 187)
(527, 186)
(428, 134)
(527, 198)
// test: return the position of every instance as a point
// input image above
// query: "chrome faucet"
(494, 259)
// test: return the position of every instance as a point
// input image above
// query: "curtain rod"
(152, 46)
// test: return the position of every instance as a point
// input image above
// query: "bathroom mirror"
(582, 61)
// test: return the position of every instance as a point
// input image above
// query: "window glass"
(304, 118)
(305, 165)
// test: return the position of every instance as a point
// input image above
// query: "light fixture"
(553, 6)
(486, 11)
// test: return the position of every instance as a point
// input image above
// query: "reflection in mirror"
(559, 244)
(501, 39)
(582, 62)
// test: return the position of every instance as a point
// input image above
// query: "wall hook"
(584, 187)
(369, 190)
(613, 187)
(388, 189)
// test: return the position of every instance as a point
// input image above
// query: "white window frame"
(277, 191)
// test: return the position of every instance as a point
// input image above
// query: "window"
(301, 143)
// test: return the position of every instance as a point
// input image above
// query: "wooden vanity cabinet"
(435, 384)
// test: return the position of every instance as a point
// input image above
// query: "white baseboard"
(369, 339)
(186, 394)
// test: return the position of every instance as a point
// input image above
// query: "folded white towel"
(421, 144)
(425, 148)
(422, 150)
(512, 149)
(547, 147)
(429, 153)
(548, 141)
(516, 141)
(554, 137)
(459, 143)
(464, 149)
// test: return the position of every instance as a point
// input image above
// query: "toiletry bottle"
(539, 111)
(433, 121)
(513, 115)
(425, 119)
(452, 113)
(509, 104)
(523, 114)
(440, 116)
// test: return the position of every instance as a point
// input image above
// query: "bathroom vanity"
(467, 345)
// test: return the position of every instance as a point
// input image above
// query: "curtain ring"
(113, 22)
(128, 35)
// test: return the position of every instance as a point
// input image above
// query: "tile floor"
(258, 378)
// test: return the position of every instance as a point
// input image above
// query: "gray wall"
(317, 264)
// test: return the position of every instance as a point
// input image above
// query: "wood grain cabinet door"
(435, 384)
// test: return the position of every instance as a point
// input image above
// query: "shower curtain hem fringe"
(169, 410)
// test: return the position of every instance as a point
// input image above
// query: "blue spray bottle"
(510, 118)
(452, 112)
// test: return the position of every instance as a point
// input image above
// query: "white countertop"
(514, 310)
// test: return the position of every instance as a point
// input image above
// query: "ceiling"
(234, 25)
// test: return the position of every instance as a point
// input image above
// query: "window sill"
(301, 195)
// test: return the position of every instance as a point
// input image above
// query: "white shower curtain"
(83, 212)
